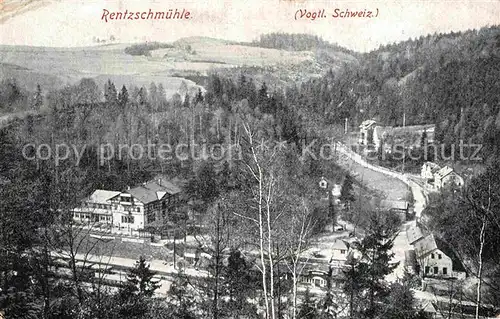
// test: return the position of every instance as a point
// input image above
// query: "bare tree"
(297, 240)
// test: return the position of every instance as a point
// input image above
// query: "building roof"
(314, 268)
(410, 135)
(394, 204)
(433, 166)
(366, 124)
(101, 196)
(153, 190)
(443, 172)
(339, 244)
(415, 232)
(425, 246)
(428, 307)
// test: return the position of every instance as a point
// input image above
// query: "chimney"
(159, 181)
(128, 187)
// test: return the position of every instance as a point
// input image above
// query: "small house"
(331, 188)
(436, 259)
(340, 251)
(366, 132)
(429, 169)
(446, 177)
(399, 207)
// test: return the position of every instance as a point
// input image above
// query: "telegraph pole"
(404, 150)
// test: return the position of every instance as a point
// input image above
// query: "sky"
(76, 23)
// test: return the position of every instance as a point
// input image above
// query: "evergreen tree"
(328, 306)
(110, 93)
(238, 277)
(423, 139)
(308, 309)
(199, 97)
(38, 97)
(332, 213)
(239, 285)
(186, 103)
(123, 97)
(142, 96)
(140, 279)
(225, 178)
(401, 302)
(204, 186)
(365, 278)
(347, 191)
(353, 284)
(262, 99)
(181, 298)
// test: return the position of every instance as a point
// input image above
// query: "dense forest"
(296, 42)
(146, 48)
(452, 80)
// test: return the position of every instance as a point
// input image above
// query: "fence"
(361, 161)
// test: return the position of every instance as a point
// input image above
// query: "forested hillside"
(451, 80)
(296, 42)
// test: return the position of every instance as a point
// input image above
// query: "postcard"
(278, 159)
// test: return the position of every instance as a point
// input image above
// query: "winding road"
(394, 186)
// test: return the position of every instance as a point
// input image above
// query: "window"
(436, 270)
(342, 251)
(126, 199)
(427, 269)
(445, 271)
(432, 256)
(128, 219)
(439, 256)
(317, 282)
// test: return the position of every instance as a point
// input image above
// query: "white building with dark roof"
(134, 209)
(97, 208)
(366, 132)
(340, 251)
(428, 170)
(435, 258)
(446, 177)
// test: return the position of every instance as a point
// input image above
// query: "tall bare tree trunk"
(480, 268)
(217, 268)
(294, 302)
(261, 243)
(480, 256)
(269, 244)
